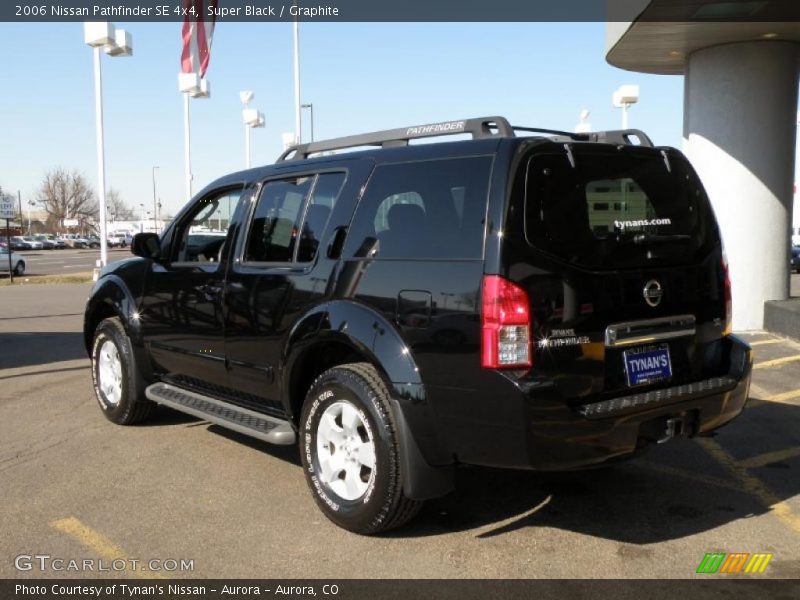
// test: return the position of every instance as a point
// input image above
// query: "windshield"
(604, 207)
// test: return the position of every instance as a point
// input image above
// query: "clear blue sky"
(359, 76)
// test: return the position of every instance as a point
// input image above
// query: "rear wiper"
(649, 238)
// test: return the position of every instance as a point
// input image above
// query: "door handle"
(211, 291)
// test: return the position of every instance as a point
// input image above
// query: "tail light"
(506, 325)
(728, 297)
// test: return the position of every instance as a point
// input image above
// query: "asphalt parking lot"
(64, 262)
(76, 486)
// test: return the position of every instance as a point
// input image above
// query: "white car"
(122, 238)
(17, 262)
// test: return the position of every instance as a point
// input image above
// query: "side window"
(276, 222)
(433, 209)
(291, 218)
(318, 213)
(203, 235)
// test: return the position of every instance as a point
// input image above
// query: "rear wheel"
(19, 270)
(118, 386)
(350, 453)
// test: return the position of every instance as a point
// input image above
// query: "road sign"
(71, 222)
(7, 208)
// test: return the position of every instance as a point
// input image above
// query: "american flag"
(198, 29)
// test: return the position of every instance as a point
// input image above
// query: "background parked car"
(35, 245)
(93, 241)
(795, 261)
(123, 240)
(20, 243)
(76, 241)
(17, 262)
(45, 241)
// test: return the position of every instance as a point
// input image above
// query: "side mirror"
(146, 245)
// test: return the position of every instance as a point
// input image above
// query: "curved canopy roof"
(663, 33)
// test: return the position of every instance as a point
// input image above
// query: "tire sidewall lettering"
(321, 400)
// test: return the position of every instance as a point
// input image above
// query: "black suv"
(525, 298)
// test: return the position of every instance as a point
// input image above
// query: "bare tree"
(117, 209)
(67, 195)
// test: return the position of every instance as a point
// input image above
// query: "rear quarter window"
(434, 209)
(611, 208)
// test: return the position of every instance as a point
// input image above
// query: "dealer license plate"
(647, 365)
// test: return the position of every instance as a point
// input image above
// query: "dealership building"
(739, 128)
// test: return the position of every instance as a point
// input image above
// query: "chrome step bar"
(650, 330)
(248, 422)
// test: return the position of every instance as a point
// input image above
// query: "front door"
(181, 312)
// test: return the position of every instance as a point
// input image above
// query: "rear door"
(628, 286)
(283, 267)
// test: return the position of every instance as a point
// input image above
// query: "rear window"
(614, 208)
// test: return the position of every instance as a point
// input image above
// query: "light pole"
(298, 126)
(252, 119)
(623, 98)
(310, 106)
(30, 204)
(246, 97)
(190, 85)
(116, 42)
(155, 201)
(141, 218)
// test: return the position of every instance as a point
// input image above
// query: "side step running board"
(249, 422)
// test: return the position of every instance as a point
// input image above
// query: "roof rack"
(479, 128)
(483, 127)
(619, 137)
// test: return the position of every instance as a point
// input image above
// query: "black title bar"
(400, 10)
(721, 587)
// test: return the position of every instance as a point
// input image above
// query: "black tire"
(19, 270)
(383, 506)
(133, 407)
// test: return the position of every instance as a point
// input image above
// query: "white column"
(101, 152)
(740, 113)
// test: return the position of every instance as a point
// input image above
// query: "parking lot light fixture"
(122, 45)
(624, 97)
(253, 119)
(102, 35)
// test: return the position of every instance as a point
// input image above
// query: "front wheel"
(118, 386)
(19, 270)
(350, 452)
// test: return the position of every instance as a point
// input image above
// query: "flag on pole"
(198, 29)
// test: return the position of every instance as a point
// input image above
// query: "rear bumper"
(596, 433)
(535, 433)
